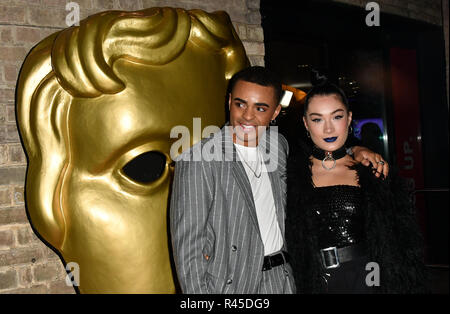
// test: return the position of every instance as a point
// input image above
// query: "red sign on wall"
(408, 139)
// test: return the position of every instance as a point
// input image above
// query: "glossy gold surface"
(89, 100)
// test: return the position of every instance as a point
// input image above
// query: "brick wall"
(26, 264)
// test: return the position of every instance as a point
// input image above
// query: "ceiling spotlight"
(286, 99)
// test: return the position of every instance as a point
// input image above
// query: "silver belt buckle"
(334, 249)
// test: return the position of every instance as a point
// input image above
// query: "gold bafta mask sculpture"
(95, 106)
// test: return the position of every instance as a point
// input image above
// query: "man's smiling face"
(251, 105)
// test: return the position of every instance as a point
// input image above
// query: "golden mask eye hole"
(146, 167)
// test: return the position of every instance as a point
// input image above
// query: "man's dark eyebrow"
(260, 104)
(318, 114)
(240, 100)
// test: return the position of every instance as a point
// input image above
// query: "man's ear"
(229, 101)
(277, 112)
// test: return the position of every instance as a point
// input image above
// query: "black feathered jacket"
(391, 231)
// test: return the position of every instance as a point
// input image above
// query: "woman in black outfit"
(341, 217)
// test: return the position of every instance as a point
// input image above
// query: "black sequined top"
(338, 217)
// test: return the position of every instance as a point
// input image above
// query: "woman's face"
(327, 120)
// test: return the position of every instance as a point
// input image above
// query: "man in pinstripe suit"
(227, 212)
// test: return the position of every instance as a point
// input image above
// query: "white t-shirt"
(263, 196)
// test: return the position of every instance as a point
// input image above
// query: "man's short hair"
(258, 75)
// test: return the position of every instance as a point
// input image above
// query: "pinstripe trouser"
(277, 281)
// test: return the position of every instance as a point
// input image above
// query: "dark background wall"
(334, 37)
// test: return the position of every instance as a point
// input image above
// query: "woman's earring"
(307, 134)
(350, 129)
(273, 122)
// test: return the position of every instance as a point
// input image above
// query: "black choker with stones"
(328, 156)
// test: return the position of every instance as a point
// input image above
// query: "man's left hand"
(368, 157)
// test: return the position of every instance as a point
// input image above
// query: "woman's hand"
(368, 157)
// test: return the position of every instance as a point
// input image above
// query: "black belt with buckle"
(275, 260)
(332, 257)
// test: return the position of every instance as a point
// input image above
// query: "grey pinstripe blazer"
(212, 212)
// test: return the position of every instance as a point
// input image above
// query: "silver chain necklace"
(251, 169)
